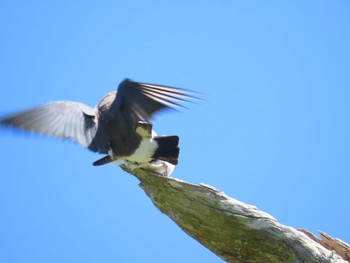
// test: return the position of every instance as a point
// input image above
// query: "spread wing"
(140, 101)
(60, 119)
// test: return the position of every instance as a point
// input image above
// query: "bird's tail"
(103, 160)
(168, 149)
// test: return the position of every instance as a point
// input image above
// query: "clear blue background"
(272, 132)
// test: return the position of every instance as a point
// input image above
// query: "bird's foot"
(156, 167)
(159, 168)
(132, 165)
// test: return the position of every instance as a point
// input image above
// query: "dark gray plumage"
(110, 127)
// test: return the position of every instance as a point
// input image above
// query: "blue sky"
(273, 130)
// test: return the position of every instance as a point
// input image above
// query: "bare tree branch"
(233, 230)
(333, 244)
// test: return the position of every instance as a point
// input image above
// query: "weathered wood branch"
(333, 244)
(233, 230)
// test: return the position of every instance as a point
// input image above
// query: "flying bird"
(119, 126)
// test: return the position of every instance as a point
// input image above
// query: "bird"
(119, 126)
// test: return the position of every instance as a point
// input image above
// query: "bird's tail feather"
(168, 149)
(102, 161)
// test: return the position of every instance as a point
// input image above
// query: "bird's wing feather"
(141, 101)
(60, 119)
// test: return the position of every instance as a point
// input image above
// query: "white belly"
(143, 154)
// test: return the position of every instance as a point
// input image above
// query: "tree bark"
(235, 231)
